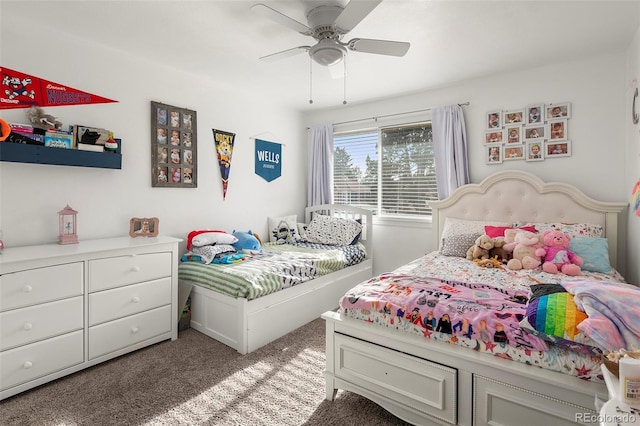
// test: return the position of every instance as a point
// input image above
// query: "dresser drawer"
(124, 301)
(118, 334)
(415, 382)
(40, 285)
(27, 325)
(123, 270)
(29, 362)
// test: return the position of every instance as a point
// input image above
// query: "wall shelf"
(38, 154)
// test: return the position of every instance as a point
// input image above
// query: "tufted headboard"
(516, 196)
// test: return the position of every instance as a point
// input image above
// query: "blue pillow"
(594, 252)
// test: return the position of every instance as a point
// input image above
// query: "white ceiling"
(450, 40)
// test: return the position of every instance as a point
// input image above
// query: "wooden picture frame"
(173, 146)
(143, 227)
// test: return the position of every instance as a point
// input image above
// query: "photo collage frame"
(534, 133)
(173, 146)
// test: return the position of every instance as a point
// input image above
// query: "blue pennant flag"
(268, 160)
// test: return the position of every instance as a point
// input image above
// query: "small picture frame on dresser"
(143, 227)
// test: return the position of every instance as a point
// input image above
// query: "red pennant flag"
(20, 90)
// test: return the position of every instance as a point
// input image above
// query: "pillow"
(302, 231)
(331, 230)
(458, 245)
(572, 229)
(283, 229)
(209, 252)
(357, 237)
(209, 236)
(594, 253)
(498, 231)
(553, 316)
(453, 226)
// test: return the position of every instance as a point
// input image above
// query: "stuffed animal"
(480, 249)
(522, 245)
(248, 242)
(498, 251)
(40, 120)
(557, 256)
(492, 262)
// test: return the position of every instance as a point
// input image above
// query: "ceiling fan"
(328, 24)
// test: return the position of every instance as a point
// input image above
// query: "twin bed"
(246, 306)
(419, 340)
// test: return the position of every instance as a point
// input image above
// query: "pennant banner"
(268, 160)
(21, 90)
(224, 148)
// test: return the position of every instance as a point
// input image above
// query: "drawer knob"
(135, 299)
(135, 269)
(27, 326)
(134, 330)
(27, 364)
(27, 288)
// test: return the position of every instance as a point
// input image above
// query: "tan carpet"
(197, 380)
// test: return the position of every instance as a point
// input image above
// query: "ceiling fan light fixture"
(327, 52)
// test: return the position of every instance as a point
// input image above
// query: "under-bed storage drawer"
(422, 385)
(497, 403)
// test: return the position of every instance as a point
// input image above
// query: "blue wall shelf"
(38, 154)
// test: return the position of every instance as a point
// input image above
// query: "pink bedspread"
(475, 311)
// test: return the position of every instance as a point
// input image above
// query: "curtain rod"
(391, 115)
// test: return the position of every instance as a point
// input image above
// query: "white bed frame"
(246, 325)
(429, 382)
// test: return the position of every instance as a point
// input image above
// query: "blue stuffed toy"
(247, 242)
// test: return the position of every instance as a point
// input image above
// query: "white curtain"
(320, 165)
(450, 149)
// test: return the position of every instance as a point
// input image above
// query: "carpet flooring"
(196, 380)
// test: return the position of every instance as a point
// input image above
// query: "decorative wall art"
(173, 146)
(534, 133)
(20, 90)
(224, 148)
(268, 160)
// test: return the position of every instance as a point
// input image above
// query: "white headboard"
(514, 196)
(347, 212)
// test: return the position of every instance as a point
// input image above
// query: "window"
(401, 184)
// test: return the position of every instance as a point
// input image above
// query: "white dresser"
(64, 308)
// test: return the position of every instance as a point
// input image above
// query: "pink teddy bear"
(557, 256)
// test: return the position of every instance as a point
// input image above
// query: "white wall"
(31, 194)
(632, 164)
(596, 89)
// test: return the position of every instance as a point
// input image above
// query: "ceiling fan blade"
(354, 12)
(285, 53)
(281, 18)
(380, 47)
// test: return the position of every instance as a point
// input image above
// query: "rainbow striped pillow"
(553, 316)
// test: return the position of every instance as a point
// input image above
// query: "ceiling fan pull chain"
(344, 95)
(310, 80)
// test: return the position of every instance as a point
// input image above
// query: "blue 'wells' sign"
(268, 159)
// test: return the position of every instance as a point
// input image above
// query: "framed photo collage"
(173, 146)
(534, 133)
